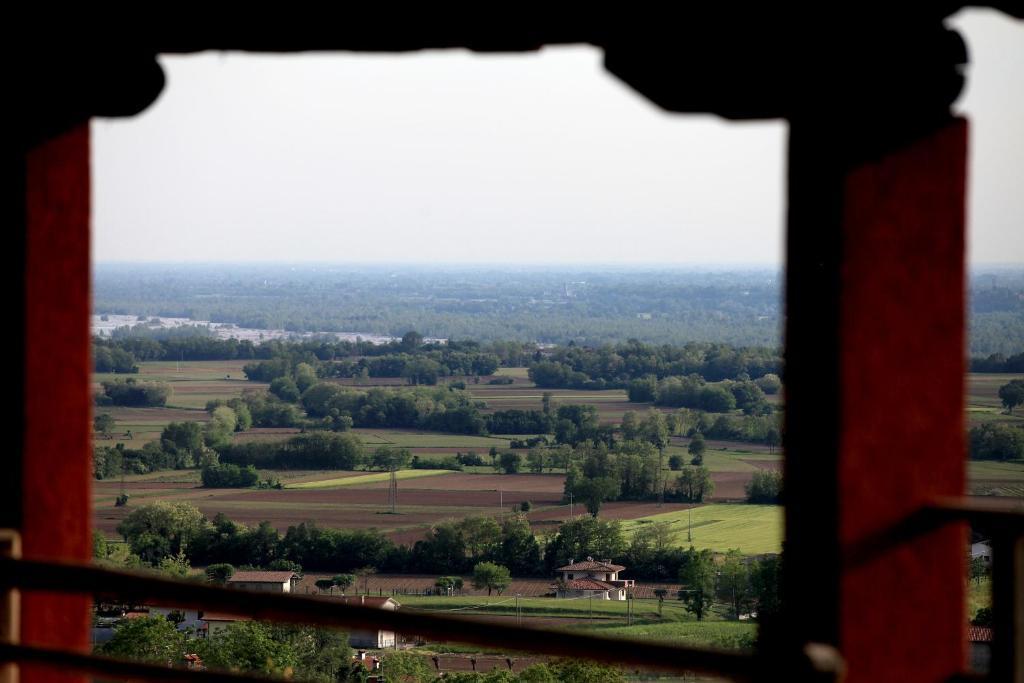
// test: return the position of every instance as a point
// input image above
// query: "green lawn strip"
(362, 479)
(754, 529)
(536, 607)
(1012, 470)
(725, 634)
(979, 594)
(717, 461)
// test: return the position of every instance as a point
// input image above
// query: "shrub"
(765, 487)
(229, 476)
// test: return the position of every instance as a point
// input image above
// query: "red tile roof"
(589, 585)
(979, 634)
(261, 577)
(591, 565)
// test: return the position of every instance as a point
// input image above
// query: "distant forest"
(545, 305)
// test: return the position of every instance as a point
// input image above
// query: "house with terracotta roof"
(980, 654)
(592, 579)
(270, 582)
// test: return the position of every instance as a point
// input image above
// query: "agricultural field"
(983, 404)
(754, 529)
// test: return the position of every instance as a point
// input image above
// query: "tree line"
(161, 531)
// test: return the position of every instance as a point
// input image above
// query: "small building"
(592, 579)
(215, 622)
(980, 656)
(270, 582)
(373, 640)
(184, 618)
(983, 550)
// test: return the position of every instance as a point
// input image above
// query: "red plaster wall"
(57, 467)
(902, 436)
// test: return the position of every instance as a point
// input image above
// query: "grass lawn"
(362, 479)
(409, 439)
(979, 594)
(754, 529)
(734, 635)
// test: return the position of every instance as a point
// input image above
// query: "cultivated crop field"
(754, 529)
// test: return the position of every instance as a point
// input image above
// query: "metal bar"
(145, 589)
(107, 667)
(1007, 608)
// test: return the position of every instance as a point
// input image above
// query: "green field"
(363, 479)
(409, 439)
(754, 529)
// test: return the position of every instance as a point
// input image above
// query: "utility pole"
(519, 617)
(393, 490)
(501, 500)
(689, 525)
(570, 504)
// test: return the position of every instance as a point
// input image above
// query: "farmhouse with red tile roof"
(592, 579)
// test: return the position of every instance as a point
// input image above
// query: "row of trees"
(307, 653)
(613, 366)
(163, 531)
(130, 392)
(996, 441)
(997, 362)
(692, 391)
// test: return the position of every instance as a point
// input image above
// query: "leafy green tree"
(655, 429)
(535, 458)
(583, 671)
(218, 430)
(480, 535)
(675, 462)
(734, 581)
(630, 425)
(519, 549)
(325, 585)
(509, 462)
(696, 449)
(983, 617)
(583, 537)
(103, 424)
(593, 492)
(386, 458)
(403, 667)
(765, 584)
(285, 389)
(247, 646)
(305, 376)
(493, 577)
(219, 572)
(176, 566)
(343, 581)
(765, 486)
(995, 441)
(695, 484)
(448, 583)
(1012, 394)
(148, 639)
(161, 529)
(698, 578)
(977, 569)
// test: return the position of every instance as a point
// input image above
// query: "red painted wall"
(902, 434)
(57, 464)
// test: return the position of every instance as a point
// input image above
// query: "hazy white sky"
(454, 157)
